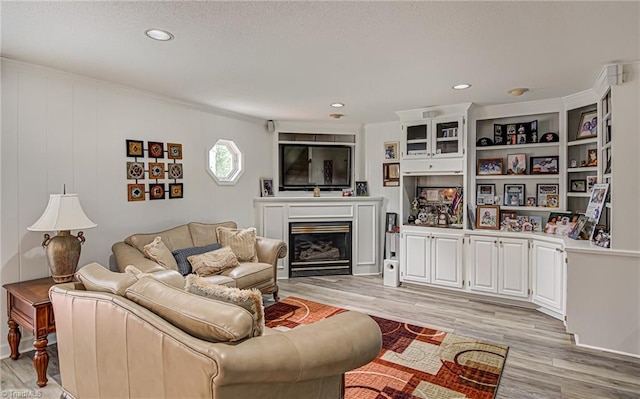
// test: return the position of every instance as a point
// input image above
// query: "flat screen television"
(304, 167)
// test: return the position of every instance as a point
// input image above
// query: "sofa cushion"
(95, 277)
(221, 280)
(205, 233)
(158, 252)
(209, 320)
(248, 299)
(242, 242)
(181, 256)
(213, 262)
(250, 274)
(174, 238)
(170, 277)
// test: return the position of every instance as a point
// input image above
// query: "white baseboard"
(26, 345)
(577, 338)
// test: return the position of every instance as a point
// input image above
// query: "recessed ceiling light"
(337, 105)
(159, 34)
(336, 116)
(518, 91)
(462, 86)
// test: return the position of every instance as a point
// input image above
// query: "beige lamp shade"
(63, 213)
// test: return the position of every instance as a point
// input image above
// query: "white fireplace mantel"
(273, 215)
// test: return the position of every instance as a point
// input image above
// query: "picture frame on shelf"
(490, 166)
(531, 201)
(436, 195)
(266, 187)
(592, 157)
(516, 164)
(591, 181)
(536, 223)
(485, 194)
(508, 220)
(488, 217)
(391, 150)
(391, 174)
(498, 135)
(514, 194)
(362, 189)
(544, 193)
(546, 165)
(578, 186)
(588, 126)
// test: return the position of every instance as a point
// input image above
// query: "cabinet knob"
(430, 166)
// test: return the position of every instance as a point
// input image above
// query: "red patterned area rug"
(415, 362)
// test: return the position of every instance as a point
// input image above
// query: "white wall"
(59, 128)
(375, 135)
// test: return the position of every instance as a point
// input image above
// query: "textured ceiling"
(290, 60)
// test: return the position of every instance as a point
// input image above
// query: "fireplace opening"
(319, 248)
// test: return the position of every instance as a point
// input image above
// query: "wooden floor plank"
(543, 360)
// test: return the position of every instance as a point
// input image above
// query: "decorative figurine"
(316, 191)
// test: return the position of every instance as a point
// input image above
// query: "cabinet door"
(483, 264)
(415, 140)
(415, 259)
(447, 138)
(366, 230)
(513, 267)
(446, 260)
(548, 277)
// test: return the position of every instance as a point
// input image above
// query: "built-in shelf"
(447, 139)
(531, 208)
(583, 169)
(607, 145)
(606, 176)
(608, 205)
(516, 146)
(606, 115)
(586, 195)
(516, 177)
(417, 141)
(593, 140)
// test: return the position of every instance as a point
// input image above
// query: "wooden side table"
(28, 305)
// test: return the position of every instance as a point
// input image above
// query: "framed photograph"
(392, 222)
(578, 186)
(391, 174)
(391, 150)
(543, 191)
(508, 220)
(156, 191)
(592, 157)
(490, 166)
(516, 164)
(156, 170)
(514, 194)
(536, 223)
(485, 194)
(498, 135)
(135, 148)
(135, 192)
(488, 217)
(362, 189)
(544, 165)
(440, 195)
(588, 125)
(266, 187)
(156, 149)
(531, 201)
(176, 190)
(174, 151)
(511, 135)
(591, 180)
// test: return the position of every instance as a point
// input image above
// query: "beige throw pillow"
(242, 242)
(213, 262)
(250, 300)
(158, 252)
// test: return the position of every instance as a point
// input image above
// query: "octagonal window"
(225, 163)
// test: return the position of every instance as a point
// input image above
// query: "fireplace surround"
(320, 248)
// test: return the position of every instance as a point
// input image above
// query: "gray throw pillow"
(181, 256)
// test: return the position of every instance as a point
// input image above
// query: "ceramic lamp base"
(63, 253)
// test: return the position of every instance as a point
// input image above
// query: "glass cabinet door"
(448, 138)
(416, 140)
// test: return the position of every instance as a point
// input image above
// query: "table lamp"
(63, 214)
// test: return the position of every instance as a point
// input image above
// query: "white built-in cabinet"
(499, 265)
(548, 272)
(435, 258)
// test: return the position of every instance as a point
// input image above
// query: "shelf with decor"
(582, 154)
(606, 150)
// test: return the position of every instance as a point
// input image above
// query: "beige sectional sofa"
(260, 275)
(126, 336)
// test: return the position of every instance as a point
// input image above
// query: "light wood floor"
(543, 361)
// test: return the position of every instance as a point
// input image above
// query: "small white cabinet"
(548, 264)
(433, 138)
(432, 258)
(499, 265)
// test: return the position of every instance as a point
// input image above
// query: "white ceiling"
(290, 60)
